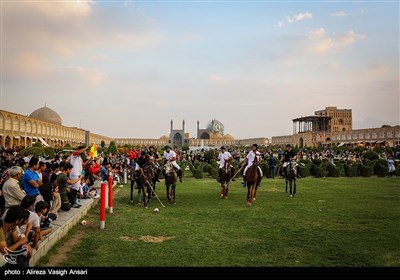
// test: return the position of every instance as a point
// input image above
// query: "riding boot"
(158, 175)
(244, 181)
(179, 172)
(233, 173)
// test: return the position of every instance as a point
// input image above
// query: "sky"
(127, 68)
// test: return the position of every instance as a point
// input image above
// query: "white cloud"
(321, 43)
(279, 24)
(298, 17)
(339, 14)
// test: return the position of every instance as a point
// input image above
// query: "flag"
(93, 151)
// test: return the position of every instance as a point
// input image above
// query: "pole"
(103, 206)
(125, 176)
(151, 187)
(110, 194)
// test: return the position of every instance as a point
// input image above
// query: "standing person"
(63, 181)
(170, 155)
(31, 181)
(12, 192)
(271, 166)
(224, 158)
(249, 161)
(391, 167)
(286, 157)
(76, 172)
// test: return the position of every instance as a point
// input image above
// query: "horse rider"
(140, 163)
(224, 158)
(286, 157)
(249, 160)
(170, 155)
(152, 153)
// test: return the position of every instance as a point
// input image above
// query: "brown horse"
(224, 178)
(170, 181)
(146, 179)
(252, 178)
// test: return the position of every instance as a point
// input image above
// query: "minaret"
(171, 125)
(183, 126)
(198, 129)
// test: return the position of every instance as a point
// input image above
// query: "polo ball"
(84, 223)
(156, 210)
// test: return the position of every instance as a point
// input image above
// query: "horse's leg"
(291, 185)
(173, 192)
(286, 181)
(131, 193)
(167, 188)
(226, 190)
(294, 189)
(222, 189)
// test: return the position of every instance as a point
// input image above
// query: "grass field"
(331, 222)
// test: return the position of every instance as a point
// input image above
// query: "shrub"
(49, 152)
(371, 155)
(381, 168)
(36, 151)
(317, 171)
(213, 173)
(304, 171)
(317, 162)
(198, 174)
(366, 170)
(351, 169)
(333, 171)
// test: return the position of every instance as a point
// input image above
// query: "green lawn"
(331, 222)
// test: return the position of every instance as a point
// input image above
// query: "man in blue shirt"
(31, 181)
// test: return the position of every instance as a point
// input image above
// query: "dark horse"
(252, 178)
(170, 181)
(146, 175)
(225, 175)
(290, 177)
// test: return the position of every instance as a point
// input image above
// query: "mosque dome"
(215, 126)
(47, 115)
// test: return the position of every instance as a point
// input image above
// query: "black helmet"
(255, 145)
(288, 145)
(143, 153)
(222, 148)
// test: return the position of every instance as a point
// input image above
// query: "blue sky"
(126, 68)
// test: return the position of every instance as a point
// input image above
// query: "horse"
(171, 178)
(224, 178)
(146, 181)
(252, 178)
(290, 177)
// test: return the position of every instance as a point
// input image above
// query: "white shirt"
(169, 155)
(251, 156)
(222, 157)
(76, 162)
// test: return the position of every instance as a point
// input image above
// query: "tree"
(102, 144)
(112, 148)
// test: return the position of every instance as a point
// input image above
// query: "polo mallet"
(240, 168)
(151, 187)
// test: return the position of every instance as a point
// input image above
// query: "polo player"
(170, 155)
(251, 156)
